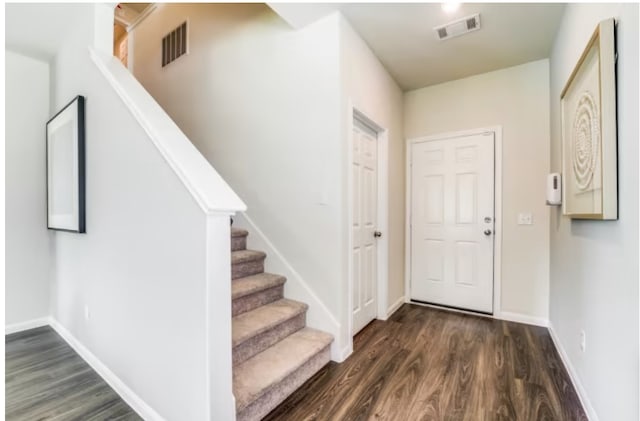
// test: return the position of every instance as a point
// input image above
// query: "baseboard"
(522, 318)
(128, 395)
(29, 324)
(573, 375)
(395, 306)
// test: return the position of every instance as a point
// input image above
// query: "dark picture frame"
(65, 152)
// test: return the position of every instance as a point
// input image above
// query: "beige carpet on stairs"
(274, 352)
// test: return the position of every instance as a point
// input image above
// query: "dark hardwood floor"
(421, 364)
(430, 364)
(46, 380)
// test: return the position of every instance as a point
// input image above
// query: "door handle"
(487, 232)
(377, 234)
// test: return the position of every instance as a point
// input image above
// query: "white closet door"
(365, 202)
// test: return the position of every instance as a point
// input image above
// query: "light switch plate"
(525, 218)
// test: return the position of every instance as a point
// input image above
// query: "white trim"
(346, 351)
(349, 223)
(407, 222)
(128, 395)
(142, 16)
(497, 244)
(29, 324)
(394, 307)
(382, 278)
(206, 186)
(383, 224)
(498, 228)
(124, 21)
(522, 318)
(573, 375)
(318, 315)
(218, 326)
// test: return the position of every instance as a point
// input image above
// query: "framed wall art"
(66, 168)
(589, 138)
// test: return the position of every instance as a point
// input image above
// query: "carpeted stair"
(274, 352)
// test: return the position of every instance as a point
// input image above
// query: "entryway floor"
(430, 364)
(45, 379)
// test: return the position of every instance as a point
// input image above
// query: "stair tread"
(254, 376)
(239, 232)
(255, 283)
(252, 323)
(242, 256)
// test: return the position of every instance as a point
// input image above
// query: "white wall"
(153, 269)
(269, 111)
(261, 101)
(517, 99)
(367, 86)
(594, 264)
(27, 241)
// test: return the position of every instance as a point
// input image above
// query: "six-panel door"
(365, 203)
(452, 222)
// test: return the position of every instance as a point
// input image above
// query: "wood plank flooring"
(431, 364)
(46, 380)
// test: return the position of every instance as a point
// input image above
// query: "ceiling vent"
(458, 27)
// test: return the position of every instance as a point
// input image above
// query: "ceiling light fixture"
(450, 7)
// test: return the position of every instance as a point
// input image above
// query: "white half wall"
(145, 293)
(140, 270)
(594, 264)
(27, 240)
(261, 101)
(516, 98)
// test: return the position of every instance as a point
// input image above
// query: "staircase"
(274, 352)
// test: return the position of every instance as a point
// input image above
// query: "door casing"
(497, 261)
(382, 209)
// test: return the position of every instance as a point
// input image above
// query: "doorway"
(452, 192)
(368, 264)
(121, 43)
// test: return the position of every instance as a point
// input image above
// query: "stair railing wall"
(144, 294)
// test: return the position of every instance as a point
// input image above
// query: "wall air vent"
(458, 27)
(174, 44)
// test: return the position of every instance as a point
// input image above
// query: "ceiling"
(402, 36)
(138, 7)
(53, 22)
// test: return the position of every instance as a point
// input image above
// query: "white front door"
(365, 202)
(452, 222)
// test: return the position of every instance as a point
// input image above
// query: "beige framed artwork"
(589, 139)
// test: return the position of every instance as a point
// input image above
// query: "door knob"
(487, 232)
(377, 234)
